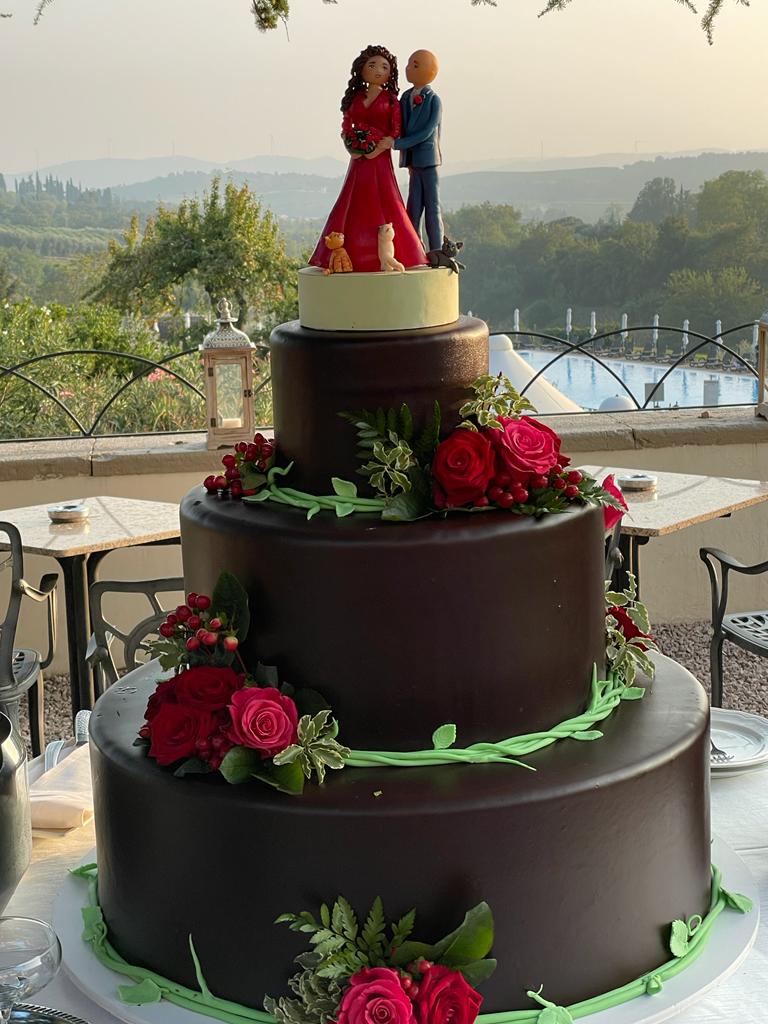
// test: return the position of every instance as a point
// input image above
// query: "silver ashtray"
(68, 512)
(28, 1013)
(637, 482)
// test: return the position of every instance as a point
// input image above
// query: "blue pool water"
(586, 382)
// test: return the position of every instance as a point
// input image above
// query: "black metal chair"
(134, 641)
(746, 629)
(21, 670)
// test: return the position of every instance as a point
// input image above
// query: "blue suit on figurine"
(419, 145)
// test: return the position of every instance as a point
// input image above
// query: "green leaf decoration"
(84, 871)
(411, 950)
(202, 984)
(633, 693)
(253, 481)
(372, 939)
(192, 766)
(343, 488)
(287, 778)
(427, 441)
(614, 599)
(478, 971)
(736, 901)
(344, 919)
(406, 423)
(403, 928)
(309, 701)
(653, 985)
(240, 764)
(343, 509)
(472, 940)
(411, 504)
(230, 597)
(444, 737)
(678, 940)
(264, 495)
(551, 1014)
(145, 991)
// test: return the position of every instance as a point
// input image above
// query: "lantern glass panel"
(229, 395)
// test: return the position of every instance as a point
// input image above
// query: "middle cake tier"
(486, 620)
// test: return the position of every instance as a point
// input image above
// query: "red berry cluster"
(193, 626)
(248, 458)
(213, 749)
(504, 492)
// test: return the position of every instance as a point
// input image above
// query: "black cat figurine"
(446, 257)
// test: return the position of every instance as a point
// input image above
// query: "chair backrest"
(133, 640)
(11, 559)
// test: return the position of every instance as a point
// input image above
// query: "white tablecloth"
(739, 816)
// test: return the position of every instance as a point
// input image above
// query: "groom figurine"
(419, 145)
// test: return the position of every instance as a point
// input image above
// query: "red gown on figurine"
(370, 195)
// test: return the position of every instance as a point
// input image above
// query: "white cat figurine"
(387, 249)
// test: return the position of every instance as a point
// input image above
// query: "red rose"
(164, 694)
(207, 687)
(175, 730)
(375, 996)
(524, 447)
(445, 997)
(611, 516)
(462, 468)
(627, 627)
(264, 719)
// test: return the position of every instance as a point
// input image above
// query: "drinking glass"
(30, 955)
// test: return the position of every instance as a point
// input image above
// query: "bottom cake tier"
(585, 862)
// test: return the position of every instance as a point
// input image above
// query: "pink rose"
(445, 997)
(524, 448)
(461, 469)
(375, 996)
(611, 516)
(264, 719)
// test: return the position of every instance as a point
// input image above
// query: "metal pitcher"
(15, 815)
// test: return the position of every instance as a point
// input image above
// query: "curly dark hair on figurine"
(356, 76)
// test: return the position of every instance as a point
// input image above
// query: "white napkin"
(62, 798)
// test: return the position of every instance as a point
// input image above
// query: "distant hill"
(117, 171)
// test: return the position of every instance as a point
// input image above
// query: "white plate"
(732, 938)
(741, 734)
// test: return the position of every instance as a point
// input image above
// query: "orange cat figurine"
(339, 262)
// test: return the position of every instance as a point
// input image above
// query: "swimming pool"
(586, 382)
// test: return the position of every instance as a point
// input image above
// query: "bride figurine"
(370, 197)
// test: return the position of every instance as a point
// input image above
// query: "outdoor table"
(739, 814)
(78, 547)
(678, 500)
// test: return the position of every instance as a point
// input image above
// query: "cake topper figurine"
(387, 249)
(339, 261)
(370, 196)
(419, 145)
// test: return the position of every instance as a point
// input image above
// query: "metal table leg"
(629, 545)
(75, 572)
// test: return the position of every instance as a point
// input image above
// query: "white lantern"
(228, 370)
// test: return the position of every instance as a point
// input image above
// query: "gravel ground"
(745, 676)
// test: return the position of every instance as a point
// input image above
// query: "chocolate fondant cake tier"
(585, 862)
(318, 374)
(487, 620)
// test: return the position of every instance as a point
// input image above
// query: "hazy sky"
(149, 77)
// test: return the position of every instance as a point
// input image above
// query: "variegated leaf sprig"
(494, 397)
(317, 747)
(626, 654)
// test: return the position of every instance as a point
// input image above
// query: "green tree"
(224, 242)
(656, 200)
(486, 223)
(3, 187)
(735, 198)
(8, 282)
(729, 295)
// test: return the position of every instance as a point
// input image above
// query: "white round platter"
(742, 734)
(731, 941)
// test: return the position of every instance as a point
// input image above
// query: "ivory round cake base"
(732, 938)
(390, 301)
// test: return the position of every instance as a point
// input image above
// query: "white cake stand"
(731, 941)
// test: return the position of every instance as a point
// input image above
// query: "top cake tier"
(419, 298)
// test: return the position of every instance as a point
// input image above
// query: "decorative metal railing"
(599, 347)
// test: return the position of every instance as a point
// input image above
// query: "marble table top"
(681, 499)
(112, 523)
